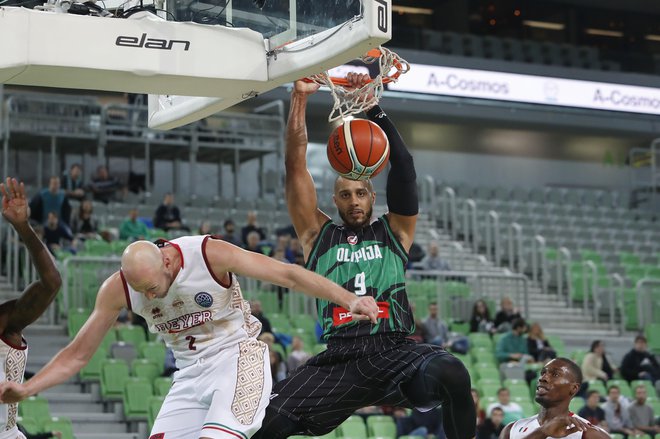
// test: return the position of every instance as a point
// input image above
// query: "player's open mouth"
(541, 390)
(355, 213)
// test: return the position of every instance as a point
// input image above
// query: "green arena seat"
(145, 368)
(76, 319)
(108, 340)
(154, 351)
(61, 424)
(30, 425)
(137, 393)
(114, 374)
(353, 428)
(381, 426)
(576, 404)
(35, 408)
(652, 332)
(480, 340)
(92, 370)
(155, 403)
(131, 334)
(624, 387)
(162, 385)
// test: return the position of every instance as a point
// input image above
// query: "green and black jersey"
(370, 261)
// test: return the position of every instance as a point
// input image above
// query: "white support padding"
(143, 54)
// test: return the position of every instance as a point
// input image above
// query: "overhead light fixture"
(544, 24)
(653, 37)
(604, 33)
(411, 10)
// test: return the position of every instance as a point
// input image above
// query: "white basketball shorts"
(219, 397)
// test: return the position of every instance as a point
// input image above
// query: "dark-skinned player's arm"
(300, 191)
(40, 294)
(402, 199)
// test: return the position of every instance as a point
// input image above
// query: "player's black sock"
(443, 379)
(275, 426)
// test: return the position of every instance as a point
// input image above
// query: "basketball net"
(347, 101)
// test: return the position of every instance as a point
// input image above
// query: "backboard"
(193, 57)
(300, 37)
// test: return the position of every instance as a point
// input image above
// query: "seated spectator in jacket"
(432, 260)
(513, 345)
(506, 315)
(616, 414)
(72, 183)
(419, 423)
(537, 345)
(104, 187)
(481, 413)
(592, 411)
(132, 228)
(252, 226)
(83, 223)
(595, 365)
(641, 414)
(512, 410)
(492, 425)
(50, 199)
(257, 311)
(293, 252)
(254, 244)
(639, 363)
(168, 216)
(481, 320)
(56, 235)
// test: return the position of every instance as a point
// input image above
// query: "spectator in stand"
(592, 411)
(168, 216)
(639, 363)
(51, 199)
(56, 236)
(480, 320)
(83, 224)
(436, 330)
(481, 413)
(104, 187)
(493, 425)
(293, 252)
(132, 228)
(513, 345)
(205, 228)
(616, 414)
(252, 227)
(170, 363)
(277, 365)
(432, 260)
(420, 330)
(72, 183)
(595, 364)
(512, 410)
(506, 315)
(538, 346)
(424, 424)
(415, 254)
(229, 234)
(298, 356)
(257, 311)
(641, 414)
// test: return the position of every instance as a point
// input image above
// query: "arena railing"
(493, 237)
(648, 301)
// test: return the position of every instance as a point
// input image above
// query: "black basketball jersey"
(369, 261)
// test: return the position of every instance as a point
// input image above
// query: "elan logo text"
(151, 43)
(383, 15)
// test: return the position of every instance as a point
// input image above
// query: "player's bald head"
(140, 260)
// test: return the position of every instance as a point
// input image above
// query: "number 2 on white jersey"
(360, 284)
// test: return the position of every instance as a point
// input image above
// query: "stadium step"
(94, 422)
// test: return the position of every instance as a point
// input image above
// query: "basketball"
(358, 149)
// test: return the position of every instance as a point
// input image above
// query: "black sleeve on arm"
(402, 196)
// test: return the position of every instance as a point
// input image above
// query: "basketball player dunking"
(16, 314)
(372, 363)
(187, 292)
(560, 380)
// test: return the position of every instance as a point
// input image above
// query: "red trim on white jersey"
(220, 282)
(126, 293)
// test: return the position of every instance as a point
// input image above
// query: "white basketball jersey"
(13, 360)
(199, 315)
(523, 427)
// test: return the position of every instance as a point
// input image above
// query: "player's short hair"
(573, 367)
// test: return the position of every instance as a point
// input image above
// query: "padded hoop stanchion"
(348, 102)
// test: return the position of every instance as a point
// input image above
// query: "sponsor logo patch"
(342, 315)
(156, 313)
(352, 239)
(203, 299)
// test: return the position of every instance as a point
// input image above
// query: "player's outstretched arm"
(75, 355)
(300, 191)
(224, 257)
(38, 295)
(402, 198)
